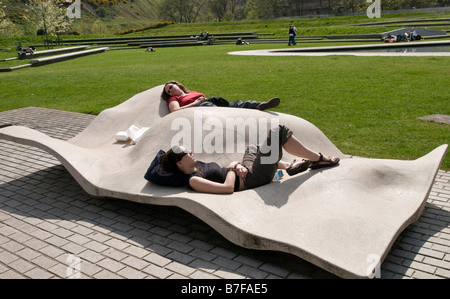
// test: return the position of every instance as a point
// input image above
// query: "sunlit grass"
(367, 106)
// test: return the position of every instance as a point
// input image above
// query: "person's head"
(171, 89)
(177, 159)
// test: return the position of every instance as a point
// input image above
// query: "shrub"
(153, 26)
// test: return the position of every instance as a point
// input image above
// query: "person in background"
(240, 41)
(414, 35)
(292, 35)
(211, 40)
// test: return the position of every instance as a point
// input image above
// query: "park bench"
(143, 40)
(162, 41)
(10, 69)
(66, 56)
(168, 44)
(47, 53)
(52, 52)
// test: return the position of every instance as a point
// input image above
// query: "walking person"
(292, 35)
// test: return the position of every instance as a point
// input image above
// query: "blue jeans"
(246, 104)
(292, 39)
(237, 104)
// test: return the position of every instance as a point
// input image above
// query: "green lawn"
(367, 106)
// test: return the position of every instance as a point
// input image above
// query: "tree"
(223, 10)
(392, 4)
(48, 16)
(237, 8)
(4, 21)
(420, 3)
(218, 8)
(7, 27)
(262, 9)
(352, 5)
(180, 11)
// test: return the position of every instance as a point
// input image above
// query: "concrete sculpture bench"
(343, 219)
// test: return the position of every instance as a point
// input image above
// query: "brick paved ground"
(48, 224)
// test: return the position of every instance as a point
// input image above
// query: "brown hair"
(167, 96)
(170, 159)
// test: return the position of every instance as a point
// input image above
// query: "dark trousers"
(292, 40)
(261, 173)
(221, 102)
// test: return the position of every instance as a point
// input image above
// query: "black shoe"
(324, 162)
(293, 170)
(272, 103)
(4, 125)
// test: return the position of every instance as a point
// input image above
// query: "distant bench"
(164, 42)
(67, 56)
(140, 40)
(47, 53)
(169, 44)
(52, 52)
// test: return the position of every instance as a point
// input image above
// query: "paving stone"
(45, 216)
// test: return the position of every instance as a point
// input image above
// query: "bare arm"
(175, 106)
(206, 186)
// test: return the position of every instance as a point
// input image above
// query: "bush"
(101, 12)
(153, 26)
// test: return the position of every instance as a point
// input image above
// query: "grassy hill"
(91, 25)
(127, 14)
(130, 13)
(305, 26)
(122, 15)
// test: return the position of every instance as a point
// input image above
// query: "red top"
(186, 99)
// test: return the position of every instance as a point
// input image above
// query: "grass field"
(368, 106)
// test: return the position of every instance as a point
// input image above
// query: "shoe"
(324, 162)
(4, 125)
(272, 103)
(300, 167)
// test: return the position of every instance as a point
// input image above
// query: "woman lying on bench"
(252, 172)
(179, 97)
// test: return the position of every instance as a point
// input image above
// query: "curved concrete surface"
(354, 50)
(343, 219)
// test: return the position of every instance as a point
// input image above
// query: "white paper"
(122, 136)
(135, 133)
